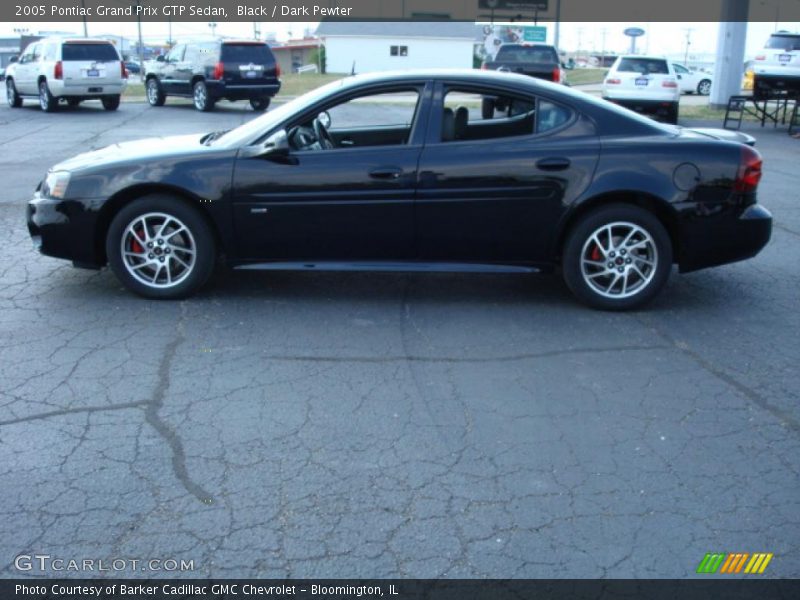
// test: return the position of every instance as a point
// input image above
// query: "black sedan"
(402, 172)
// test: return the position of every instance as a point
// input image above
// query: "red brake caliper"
(135, 245)
(596, 253)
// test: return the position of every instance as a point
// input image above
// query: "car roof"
(644, 56)
(70, 39)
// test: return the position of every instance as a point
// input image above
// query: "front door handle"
(553, 164)
(386, 173)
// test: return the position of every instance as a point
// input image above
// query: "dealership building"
(361, 47)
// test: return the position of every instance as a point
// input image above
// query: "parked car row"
(71, 70)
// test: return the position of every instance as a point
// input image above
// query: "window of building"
(398, 50)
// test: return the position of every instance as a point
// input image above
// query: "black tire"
(111, 102)
(260, 104)
(47, 101)
(14, 100)
(202, 100)
(200, 234)
(704, 87)
(487, 108)
(73, 102)
(580, 242)
(154, 92)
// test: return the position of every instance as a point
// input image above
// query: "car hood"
(139, 150)
(722, 134)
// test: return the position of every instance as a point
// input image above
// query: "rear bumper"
(93, 90)
(789, 80)
(221, 89)
(62, 229)
(724, 237)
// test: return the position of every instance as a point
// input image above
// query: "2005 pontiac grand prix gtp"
(404, 171)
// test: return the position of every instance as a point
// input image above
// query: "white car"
(692, 82)
(646, 84)
(777, 68)
(54, 69)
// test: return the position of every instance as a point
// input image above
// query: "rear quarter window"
(82, 51)
(246, 53)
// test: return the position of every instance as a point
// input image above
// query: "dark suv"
(211, 70)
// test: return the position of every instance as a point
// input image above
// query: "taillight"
(761, 57)
(277, 70)
(484, 66)
(556, 75)
(669, 84)
(122, 70)
(58, 72)
(219, 70)
(613, 81)
(749, 171)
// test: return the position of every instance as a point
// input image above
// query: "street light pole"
(85, 28)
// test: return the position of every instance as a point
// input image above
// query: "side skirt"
(413, 267)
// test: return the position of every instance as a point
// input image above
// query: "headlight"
(55, 185)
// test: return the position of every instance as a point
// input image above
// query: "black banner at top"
(396, 10)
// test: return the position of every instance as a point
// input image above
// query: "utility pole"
(256, 32)
(213, 26)
(85, 28)
(603, 32)
(558, 24)
(688, 31)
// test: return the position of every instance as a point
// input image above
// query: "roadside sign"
(534, 34)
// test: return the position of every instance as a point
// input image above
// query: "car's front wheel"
(14, 99)
(155, 95)
(202, 101)
(617, 257)
(704, 87)
(47, 101)
(260, 104)
(161, 247)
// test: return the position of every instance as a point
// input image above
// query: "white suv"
(646, 84)
(777, 68)
(73, 70)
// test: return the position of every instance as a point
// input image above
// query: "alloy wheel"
(619, 260)
(152, 91)
(158, 250)
(704, 89)
(200, 96)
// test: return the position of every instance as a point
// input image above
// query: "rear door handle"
(386, 173)
(553, 164)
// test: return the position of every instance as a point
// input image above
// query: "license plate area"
(92, 73)
(95, 90)
(251, 74)
(784, 58)
(641, 81)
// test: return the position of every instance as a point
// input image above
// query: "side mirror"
(13, 59)
(160, 58)
(679, 76)
(276, 145)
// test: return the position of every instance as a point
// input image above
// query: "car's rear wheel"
(160, 247)
(704, 87)
(47, 101)
(111, 102)
(617, 257)
(14, 99)
(260, 104)
(155, 95)
(202, 101)
(672, 113)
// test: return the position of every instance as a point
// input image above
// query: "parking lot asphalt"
(378, 425)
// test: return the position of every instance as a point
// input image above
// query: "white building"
(362, 47)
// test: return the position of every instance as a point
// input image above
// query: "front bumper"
(220, 89)
(708, 240)
(63, 229)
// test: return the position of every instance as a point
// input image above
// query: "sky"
(660, 38)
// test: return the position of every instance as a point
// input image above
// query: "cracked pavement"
(382, 425)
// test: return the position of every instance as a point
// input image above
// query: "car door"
(685, 78)
(353, 202)
(169, 79)
(184, 69)
(24, 72)
(491, 190)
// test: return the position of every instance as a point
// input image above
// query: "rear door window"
(246, 53)
(89, 52)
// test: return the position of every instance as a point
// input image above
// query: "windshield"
(784, 42)
(89, 51)
(253, 130)
(533, 54)
(643, 65)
